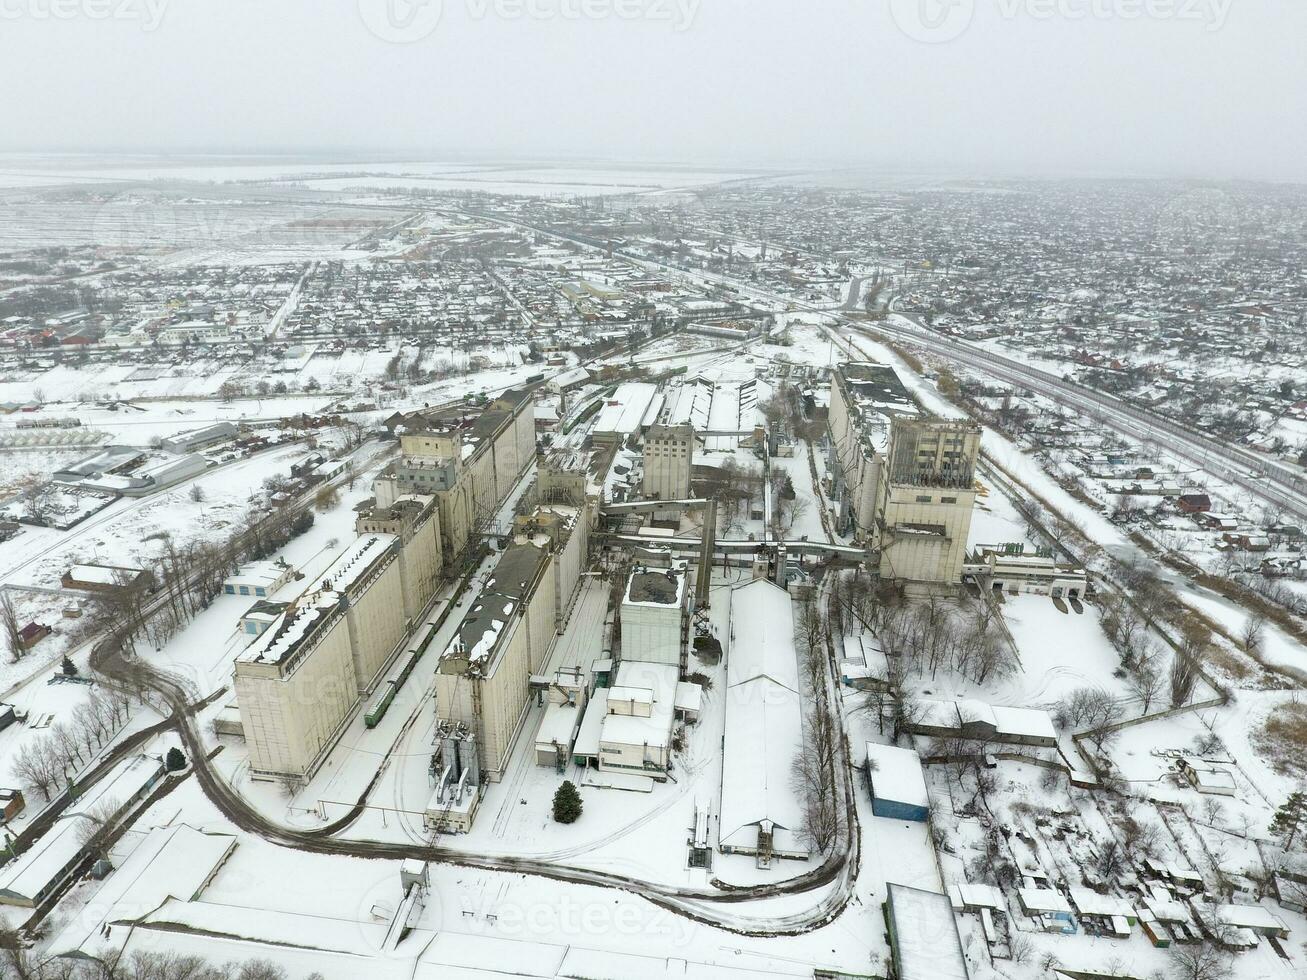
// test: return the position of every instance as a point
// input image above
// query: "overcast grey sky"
(1195, 87)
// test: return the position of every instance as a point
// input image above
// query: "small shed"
(1049, 907)
(898, 786)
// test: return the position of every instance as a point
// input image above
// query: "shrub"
(567, 803)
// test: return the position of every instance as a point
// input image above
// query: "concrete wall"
(651, 633)
(668, 452)
(289, 721)
(376, 621)
(923, 557)
(420, 563)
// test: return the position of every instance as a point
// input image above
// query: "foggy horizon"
(1027, 88)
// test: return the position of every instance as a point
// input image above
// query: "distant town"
(652, 573)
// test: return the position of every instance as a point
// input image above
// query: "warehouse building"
(923, 935)
(898, 786)
(971, 719)
(112, 579)
(197, 439)
(759, 813)
(653, 615)
(258, 578)
(39, 871)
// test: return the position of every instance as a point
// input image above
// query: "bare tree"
(815, 780)
(1145, 683)
(29, 765)
(1184, 673)
(1203, 961)
(11, 627)
(1254, 631)
(95, 827)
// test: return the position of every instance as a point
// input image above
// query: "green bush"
(567, 803)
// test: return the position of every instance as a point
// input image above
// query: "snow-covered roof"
(642, 683)
(975, 895)
(1255, 917)
(1088, 902)
(625, 410)
(172, 862)
(925, 934)
(46, 861)
(103, 574)
(1043, 900)
(764, 720)
(260, 574)
(896, 775)
(762, 635)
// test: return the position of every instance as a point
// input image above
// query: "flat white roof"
(762, 636)
(1249, 917)
(644, 683)
(103, 574)
(43, 863)
(258, 573)
(558, 725)
(927, 944)
(172, 862)
(1043, 900)
(896, 775)
(764, 720)
(1089, 902)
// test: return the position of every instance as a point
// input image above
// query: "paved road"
(1277, 483)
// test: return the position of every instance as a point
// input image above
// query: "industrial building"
(976, 720)
(653, 615)
(415, 520)
(112, 579)
(197, 439)
(300, 680)
(484, 676)
(923, 935)
(110, 460)
(668, 457)
(724, 415)
(759, 811)
(468, 458)
(1011, 568)
(258, 578)
(35, 875)
(905, 481)
(628, 411)
(898, 786)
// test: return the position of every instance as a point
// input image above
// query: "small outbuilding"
(898, 785)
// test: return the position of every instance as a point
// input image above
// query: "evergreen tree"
(567, 803)
(175, 760)
(1290, 821)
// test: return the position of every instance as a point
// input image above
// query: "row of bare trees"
(816, 772)
(190, 574)
(48, 761)
(18, 962)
